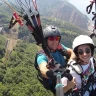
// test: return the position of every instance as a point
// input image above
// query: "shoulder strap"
(51, 61)
(94, 60)
(63, 51)
(35, 63)
(60, 48)
(77, 68)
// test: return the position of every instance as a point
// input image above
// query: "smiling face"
(53, 42)
(84, 53)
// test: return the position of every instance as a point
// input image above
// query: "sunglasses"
(57, 38)
(87, 50)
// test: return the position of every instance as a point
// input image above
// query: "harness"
(86, 83)
(60, 48)
(47, 83)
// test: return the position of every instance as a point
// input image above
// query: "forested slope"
(17, 74)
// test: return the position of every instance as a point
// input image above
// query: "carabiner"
(89, 7)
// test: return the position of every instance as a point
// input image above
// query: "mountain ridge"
(61, 9)
(65, 11)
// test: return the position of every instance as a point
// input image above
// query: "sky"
(81, 6)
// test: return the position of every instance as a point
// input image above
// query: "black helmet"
(51, 31)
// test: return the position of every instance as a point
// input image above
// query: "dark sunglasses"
(57, 38)
(87, 50)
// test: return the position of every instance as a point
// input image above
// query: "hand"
(68, 83)
(72, 83)
(64, 81)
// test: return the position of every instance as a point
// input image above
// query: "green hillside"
(2, 46)
(18, 75)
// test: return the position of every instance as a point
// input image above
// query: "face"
(84, 52)
(53, 42)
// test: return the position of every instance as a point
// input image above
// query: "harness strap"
(51, 61)
(63, 51)
(85, 89)
(87, 70)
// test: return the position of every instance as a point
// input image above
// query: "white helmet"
(82, 39)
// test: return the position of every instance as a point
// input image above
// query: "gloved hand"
(66, 73)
